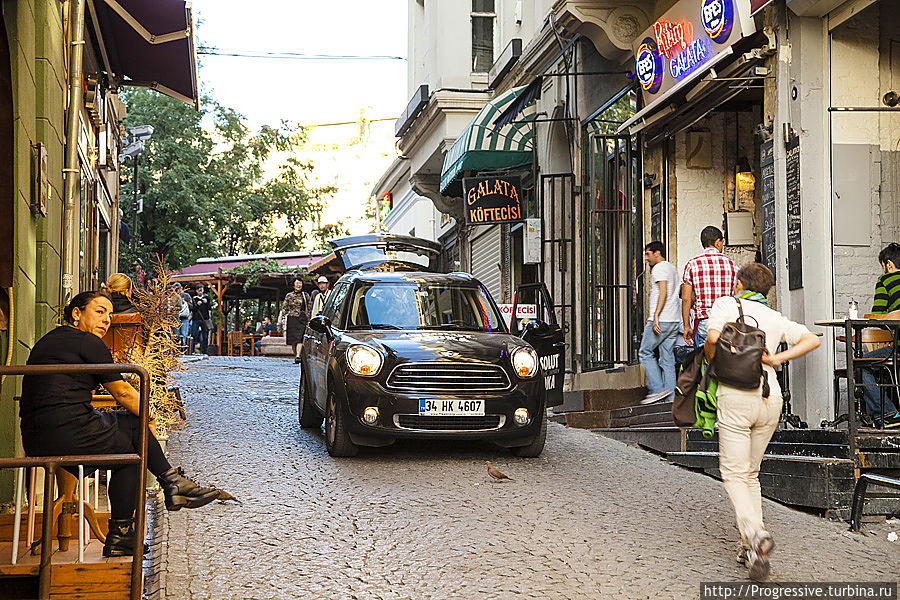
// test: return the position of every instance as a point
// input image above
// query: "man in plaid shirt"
(707, 277)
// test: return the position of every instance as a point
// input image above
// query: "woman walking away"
(120, 288)
(58, 419)
(746, 419)
(296, 307)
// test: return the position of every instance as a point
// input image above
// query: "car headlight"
(524, 361)
(364, 360)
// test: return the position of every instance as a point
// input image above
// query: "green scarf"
(755, 296)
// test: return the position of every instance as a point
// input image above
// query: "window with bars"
(483, 19)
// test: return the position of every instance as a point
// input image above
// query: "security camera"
(142, 132)
(131, 150)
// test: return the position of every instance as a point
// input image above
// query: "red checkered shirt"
(712, 275)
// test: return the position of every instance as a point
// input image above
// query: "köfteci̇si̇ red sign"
(492, 200)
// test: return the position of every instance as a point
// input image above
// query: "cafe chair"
(870, 339)
(235, 344)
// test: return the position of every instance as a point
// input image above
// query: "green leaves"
(209, 186)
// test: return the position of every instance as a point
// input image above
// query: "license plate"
(451, 408)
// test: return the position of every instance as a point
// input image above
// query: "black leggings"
(123, 485)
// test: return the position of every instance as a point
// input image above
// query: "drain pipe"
(71, 171)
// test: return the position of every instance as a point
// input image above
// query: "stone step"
(659, 439)
(605, 399)
(587, 419)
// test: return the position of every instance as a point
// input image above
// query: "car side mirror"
(321, 324)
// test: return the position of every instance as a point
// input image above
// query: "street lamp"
(134, 145)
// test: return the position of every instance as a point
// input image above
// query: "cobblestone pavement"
(590, 518)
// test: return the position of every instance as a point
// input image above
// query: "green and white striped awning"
(482, 147)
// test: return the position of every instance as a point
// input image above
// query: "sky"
(304, 91)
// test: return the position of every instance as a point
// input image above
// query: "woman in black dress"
(296, 307)
(58, 419)
(120, 290)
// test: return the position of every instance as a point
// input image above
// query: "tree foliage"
(209, 187)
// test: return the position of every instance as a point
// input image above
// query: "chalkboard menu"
(767, 194)
(656, 232)
(794, 247)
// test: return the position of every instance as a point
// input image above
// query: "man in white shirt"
(662, 325)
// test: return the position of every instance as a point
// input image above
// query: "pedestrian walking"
(201, 323)
(662, 325)
(296, 310)
(746, 419)
(707, 277)
(320, 295)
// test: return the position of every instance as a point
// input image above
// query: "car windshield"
(411, 305)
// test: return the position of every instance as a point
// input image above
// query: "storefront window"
(612, 240)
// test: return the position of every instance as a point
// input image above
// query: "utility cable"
(294, 55)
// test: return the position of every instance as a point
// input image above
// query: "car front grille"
(467, 423)
(448, 378)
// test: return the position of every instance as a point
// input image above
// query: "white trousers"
(746, 424)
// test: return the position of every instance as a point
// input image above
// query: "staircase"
(809, 468)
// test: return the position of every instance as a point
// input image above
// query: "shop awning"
(482, 146)
(148, 44)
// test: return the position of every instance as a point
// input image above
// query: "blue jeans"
(660, 375)
(871, 392)
(200, 334)
(700, 332)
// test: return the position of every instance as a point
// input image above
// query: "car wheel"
(307, 414)
(337, 441)
(536, 446)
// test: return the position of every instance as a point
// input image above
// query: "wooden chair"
(124, 334)
(870, 340)
(235, 345)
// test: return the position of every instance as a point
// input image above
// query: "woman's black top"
(121, 303)
(56, 410)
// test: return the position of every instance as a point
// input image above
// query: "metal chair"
(869, 340)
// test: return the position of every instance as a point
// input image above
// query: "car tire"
(536, 446)
(337, 440)
(307, 414)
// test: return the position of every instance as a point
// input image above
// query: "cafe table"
(854, 352)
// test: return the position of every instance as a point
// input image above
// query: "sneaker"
(656, 397)
(890, 421)
(297, 361)
(758, 555)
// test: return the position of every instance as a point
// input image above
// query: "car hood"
(450, 346)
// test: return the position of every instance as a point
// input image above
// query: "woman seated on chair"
(58, 419)
(120, 289)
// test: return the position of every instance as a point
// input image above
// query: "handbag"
(739, 351)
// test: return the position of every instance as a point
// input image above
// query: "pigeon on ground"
(495, 474)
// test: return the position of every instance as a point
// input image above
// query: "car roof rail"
(461, 274)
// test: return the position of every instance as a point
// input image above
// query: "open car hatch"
(387, 252)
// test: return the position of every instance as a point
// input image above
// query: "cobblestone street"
(590, 518)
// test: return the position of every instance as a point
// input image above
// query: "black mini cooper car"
(402, 352)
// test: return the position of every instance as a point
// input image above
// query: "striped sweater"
(887, 293)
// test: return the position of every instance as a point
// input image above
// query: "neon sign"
(697, 53)
(717, 17)
(672, 36)
(649, 66)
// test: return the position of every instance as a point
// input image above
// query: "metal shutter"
(486, 260)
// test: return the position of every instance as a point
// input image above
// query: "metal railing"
(51, 464)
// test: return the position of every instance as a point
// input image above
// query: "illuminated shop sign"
(672, 36)
(717, 17)
(686, 37)
(697, 53)
(649, 66)
(491, 200)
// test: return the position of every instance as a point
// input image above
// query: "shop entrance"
(558, 220)
(612, 258)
